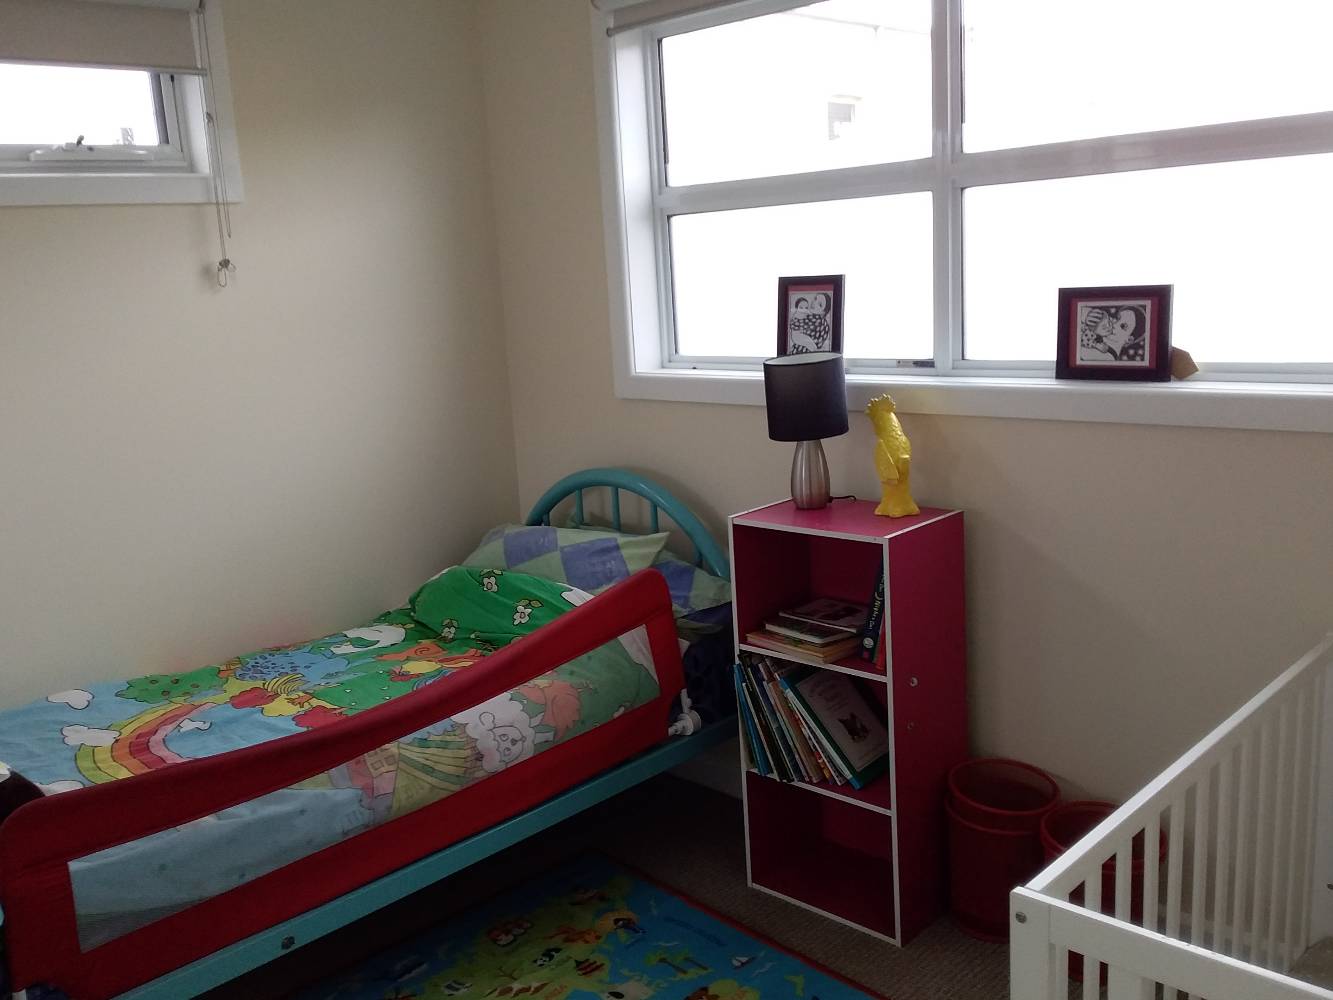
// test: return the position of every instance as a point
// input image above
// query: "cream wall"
(189, 472)
(1127, 585)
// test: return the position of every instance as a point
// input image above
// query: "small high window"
(114, 102)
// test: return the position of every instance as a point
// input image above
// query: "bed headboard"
(707, 553)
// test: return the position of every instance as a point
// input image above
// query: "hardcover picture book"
(854, 731)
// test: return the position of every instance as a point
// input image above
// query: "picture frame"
(1115, 332)
(810, 314)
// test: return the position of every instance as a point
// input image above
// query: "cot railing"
(1242, 887)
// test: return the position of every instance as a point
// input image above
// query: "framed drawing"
(810, 314)
(1119, 332)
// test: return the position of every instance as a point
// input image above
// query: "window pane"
(726, 267)
(1245, 245)
(835, 84)
(49, 105)
(1040, 71)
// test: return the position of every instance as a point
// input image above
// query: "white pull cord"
(221, 203)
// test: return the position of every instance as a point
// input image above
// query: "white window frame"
(179, 173)
(638, 204)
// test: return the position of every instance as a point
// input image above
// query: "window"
(111, 102)
(960, 162)
(80, 117)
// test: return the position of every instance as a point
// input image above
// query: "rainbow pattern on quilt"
(110, 731)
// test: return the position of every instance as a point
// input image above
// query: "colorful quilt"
(110, 731)
(589, 931)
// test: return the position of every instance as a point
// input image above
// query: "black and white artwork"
(1119, 332)
(810, 314)
(809, 325)
(1114, 333)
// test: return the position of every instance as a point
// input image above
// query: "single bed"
(210, 820)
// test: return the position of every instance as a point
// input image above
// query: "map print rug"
(589, 930)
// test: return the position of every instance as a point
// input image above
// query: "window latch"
(69, 152)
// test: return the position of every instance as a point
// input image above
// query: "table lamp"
(806, 396)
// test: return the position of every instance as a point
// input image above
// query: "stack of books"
(825, 629)
(801, 723)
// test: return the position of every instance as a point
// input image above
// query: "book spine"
(873, 630)
(819, 738)
(830, 774)
(764, 750)
(749, 752)
(854, 778)
(791, 726)
(776, 726)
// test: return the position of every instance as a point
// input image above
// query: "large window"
(960, 162)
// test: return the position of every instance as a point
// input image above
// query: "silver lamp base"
(809, 476)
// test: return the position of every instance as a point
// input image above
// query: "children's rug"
(587, 930)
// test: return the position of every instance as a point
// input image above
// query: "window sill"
(1250, 406)
(113, 189)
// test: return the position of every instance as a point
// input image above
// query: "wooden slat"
(1152, 839)
(1175, 864)
(1317, 724)
(1281, 849)
(1121, 984)
(1226, 806)
(1297, 849)
(1092, 899)
(1199, 878)
(1239, 882)
(1124, 876)
(1264, 820)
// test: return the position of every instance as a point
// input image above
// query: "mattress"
(107, 732)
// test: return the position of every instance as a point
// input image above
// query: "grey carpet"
(687, 837)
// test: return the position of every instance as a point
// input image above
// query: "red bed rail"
(39, 840)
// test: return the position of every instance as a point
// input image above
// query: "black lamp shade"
(806, 396)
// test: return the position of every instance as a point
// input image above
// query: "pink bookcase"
(874, 858)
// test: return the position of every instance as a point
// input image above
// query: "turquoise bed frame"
(281, 939)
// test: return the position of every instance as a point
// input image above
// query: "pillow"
(700, 600)
(588, 558)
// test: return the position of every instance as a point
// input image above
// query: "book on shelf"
(811, 632)
(846, 616)
(872, 630)
(835, 707)
(823, 652)
(751, 750)
(804, 724)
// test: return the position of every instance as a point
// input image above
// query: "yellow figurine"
(893, 459)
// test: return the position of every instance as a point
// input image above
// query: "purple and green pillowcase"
(593, 559)
(588, 558)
